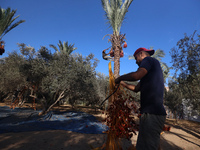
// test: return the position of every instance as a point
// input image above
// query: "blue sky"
(148, 23)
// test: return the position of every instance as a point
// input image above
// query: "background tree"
(186, 62)
(70, 78)
(115, 11)
(6, 20)
(103, 82)
(173, 99)
(64, 48)
(10, 77)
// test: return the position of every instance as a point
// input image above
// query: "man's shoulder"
(150, 59)
(149, 62)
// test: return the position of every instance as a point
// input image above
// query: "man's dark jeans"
(149, 131)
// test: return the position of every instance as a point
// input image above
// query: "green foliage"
(115, 11)
(70, 78)
(173, 98)
(64, 48)
(103, 81)
(6, 20)
(186, 62)
(10, 77)
(186, 56)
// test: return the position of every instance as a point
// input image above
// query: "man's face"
(138, 58)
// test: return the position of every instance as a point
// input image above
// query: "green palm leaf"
(54, 47)
(6, 20)
(115, 11)
(64, 48)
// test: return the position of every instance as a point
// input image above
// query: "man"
(151, 86)
(106, 57)
(2, 50)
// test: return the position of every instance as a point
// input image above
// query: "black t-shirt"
(152, 87)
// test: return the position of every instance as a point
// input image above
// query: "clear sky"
(148, 23)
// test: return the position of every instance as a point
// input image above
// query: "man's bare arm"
(135, 88)
(133, 76)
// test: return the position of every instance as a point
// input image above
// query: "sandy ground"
(178, 138)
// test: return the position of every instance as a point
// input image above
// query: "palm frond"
(13, 26)
(6, 20)
(115, 11)
(159, 54)
(60, 45)
(64, 48)
(54, 47)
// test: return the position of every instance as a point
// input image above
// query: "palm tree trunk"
(116, 62)
(117, 41)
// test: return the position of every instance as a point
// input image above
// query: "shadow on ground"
(51, 140)
(166, 145)
(23, 129)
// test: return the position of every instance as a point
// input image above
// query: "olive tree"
(10, 77)
(68, 77)
(186, 62)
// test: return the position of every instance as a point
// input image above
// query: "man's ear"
(142, 53)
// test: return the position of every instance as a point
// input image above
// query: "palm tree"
(115, 11)
(6, 20)
(64, 48)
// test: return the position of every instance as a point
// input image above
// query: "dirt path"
(50, 140)
(180, 137)
(176, 139)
